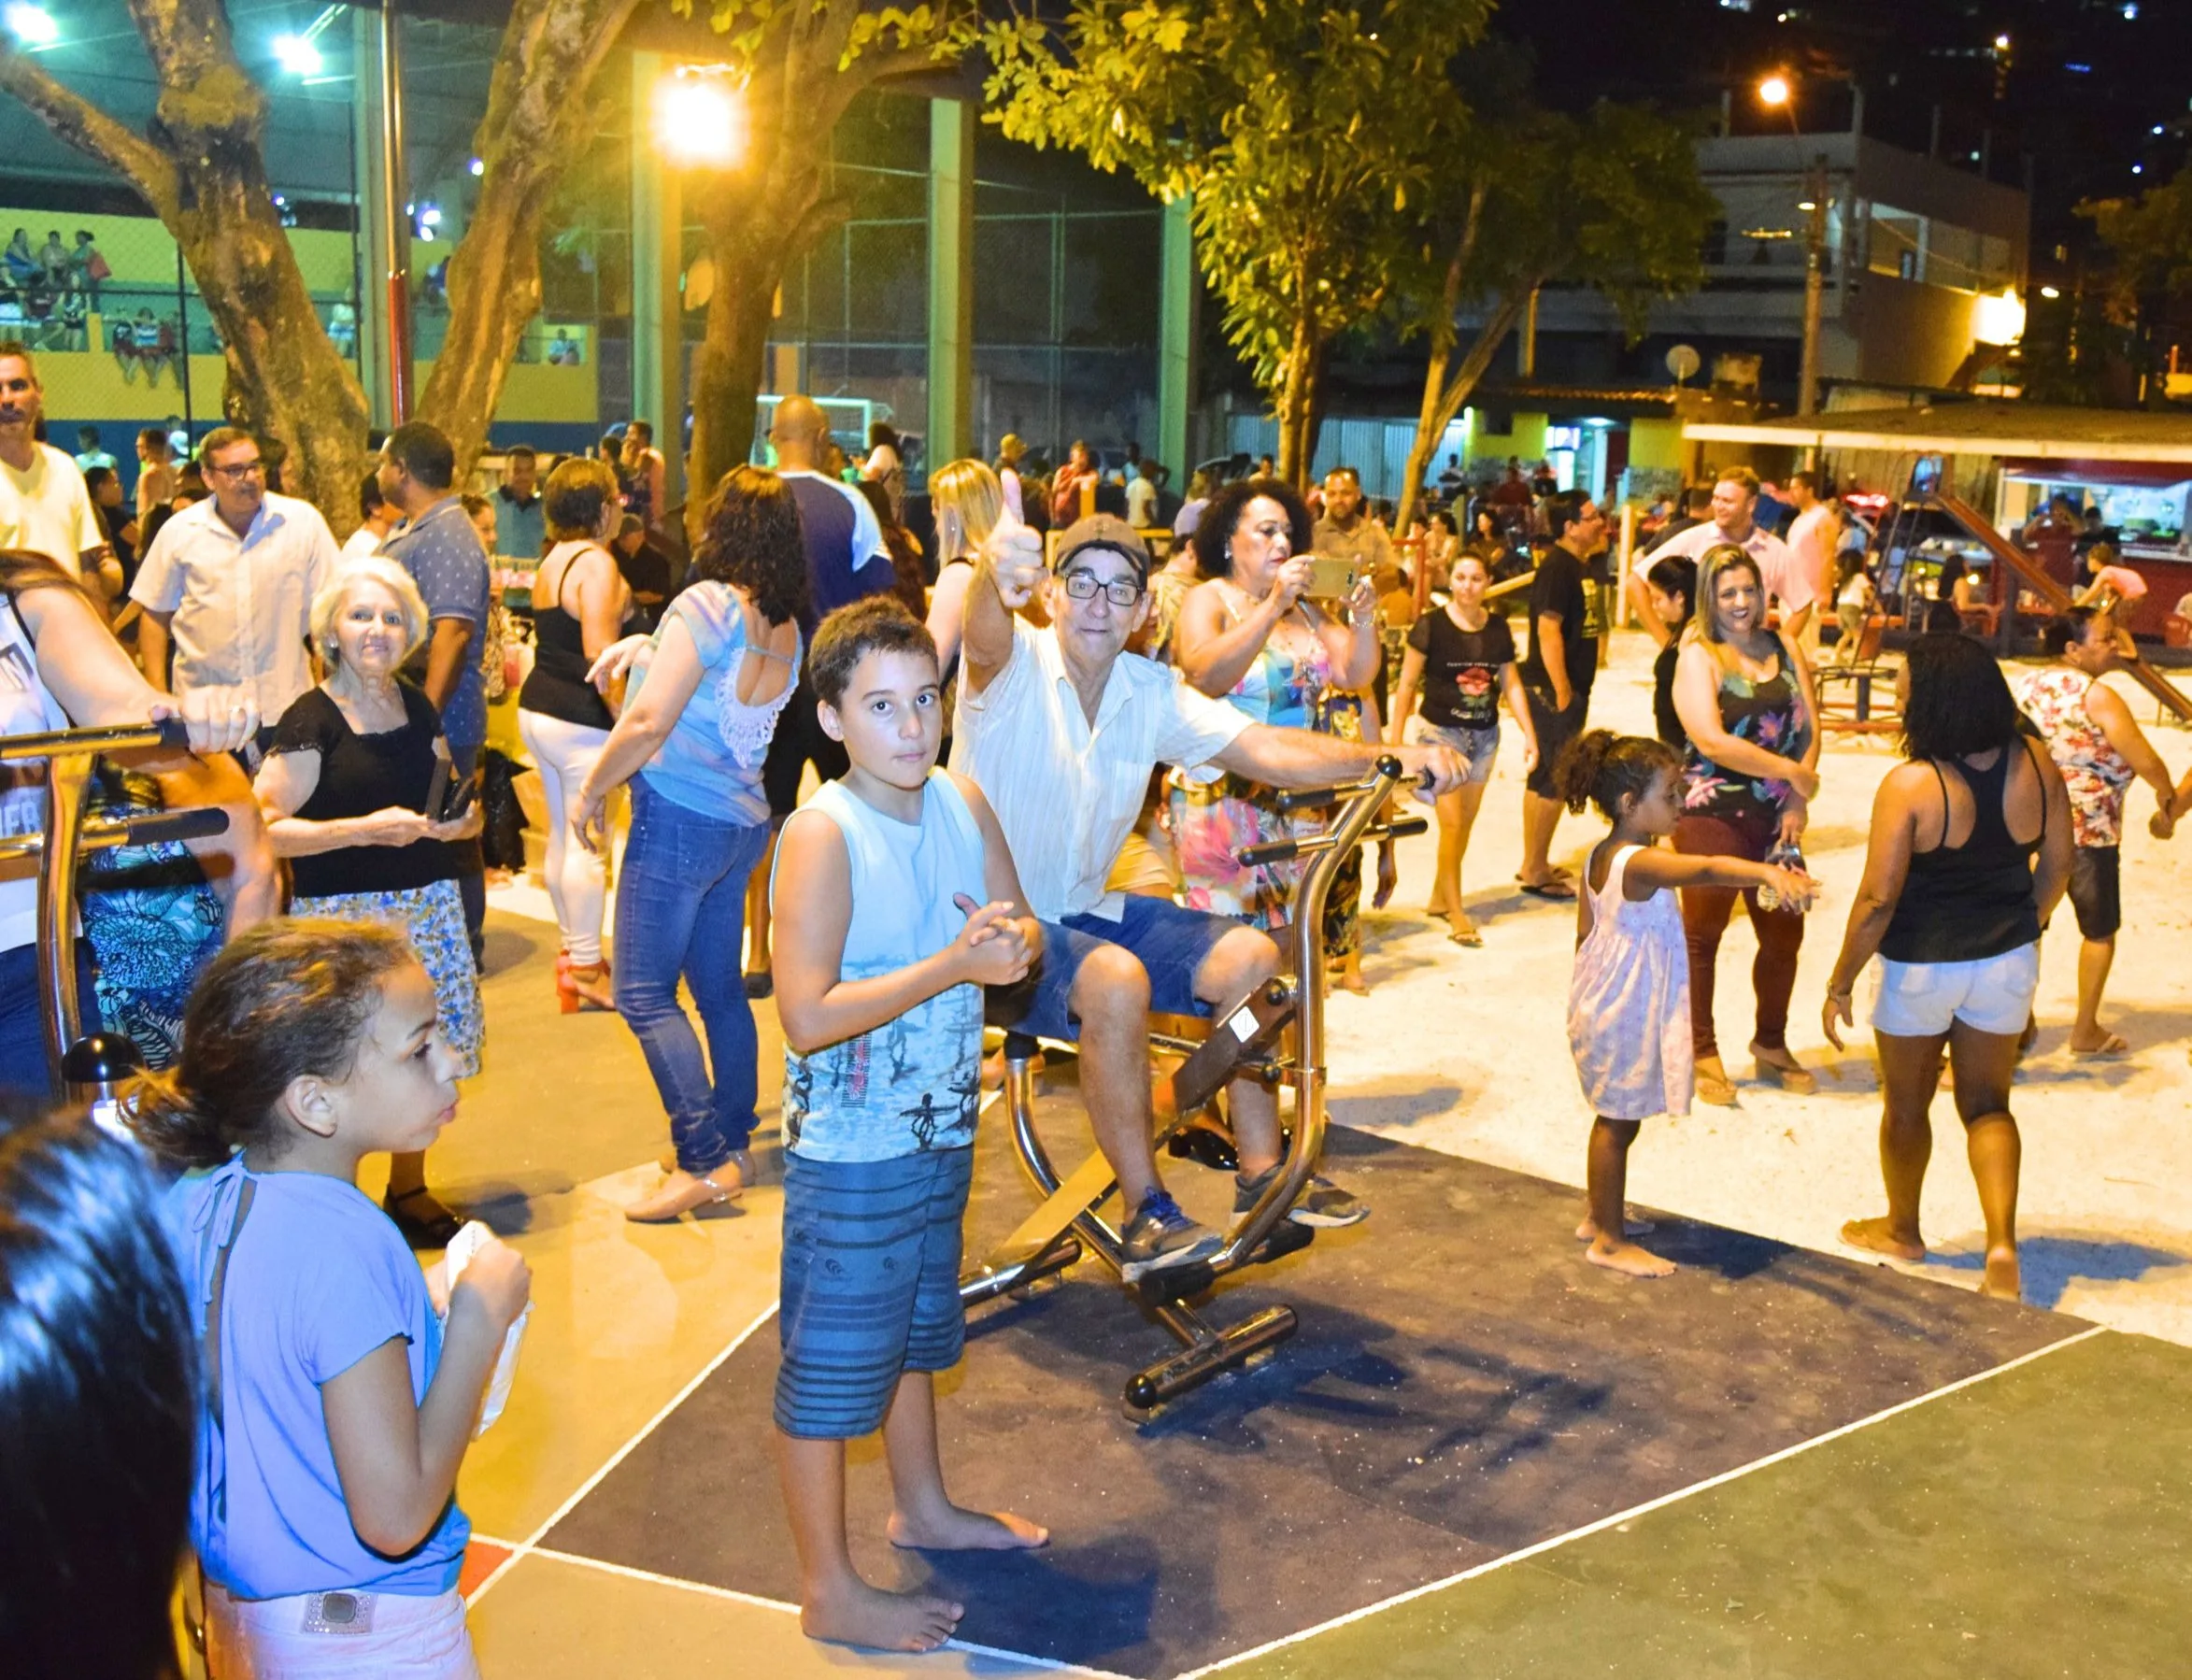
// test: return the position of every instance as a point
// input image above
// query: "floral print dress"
(1767, 712)
(1285, 685)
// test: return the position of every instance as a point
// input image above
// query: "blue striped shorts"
(870, 1284)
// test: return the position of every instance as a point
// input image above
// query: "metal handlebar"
(170, 732)
(1306, 799)
(154, 828)
(1306, 1145)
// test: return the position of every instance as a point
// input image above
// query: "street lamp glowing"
(33, 25)
(2049, 292)
(1999, 319)
(699, 117)
(1774, 90)
(296, 55)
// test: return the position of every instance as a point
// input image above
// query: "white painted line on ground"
(996, 1653)
(1636, 1510)
(532, 1542)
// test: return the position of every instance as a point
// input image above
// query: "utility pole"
(1807, 394)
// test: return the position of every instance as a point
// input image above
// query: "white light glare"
(33, 25)
(296, 55)
(2049, 292)
(699, 117)
(430, 217)
(478, 166)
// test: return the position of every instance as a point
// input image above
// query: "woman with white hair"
(345, 790)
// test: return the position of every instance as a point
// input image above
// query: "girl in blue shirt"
(337, 1407)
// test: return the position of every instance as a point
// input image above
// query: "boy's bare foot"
(1589, 1231)
(957, 1530)
(2002, 1280)
(1626, 1259)
(857, 1614)
(1879, 1237)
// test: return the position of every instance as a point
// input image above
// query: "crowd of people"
(901, 802)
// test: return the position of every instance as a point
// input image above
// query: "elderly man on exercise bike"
(1061, 728)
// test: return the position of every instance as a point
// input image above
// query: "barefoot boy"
(896, 903)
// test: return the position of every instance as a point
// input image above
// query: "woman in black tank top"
(580, 603)
(1953, 902)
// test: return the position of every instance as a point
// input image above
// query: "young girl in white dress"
(1629, 1001)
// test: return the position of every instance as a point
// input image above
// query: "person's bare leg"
(1111, 996)
(1237, 964)
(1540, 816)
(922, 1514)
(834, 1604)
(1445, 880)
(1606, 1182)
(1467, 800)
(1908, 1071)
(1985, 1064)
(758, 957)
(2096, 957)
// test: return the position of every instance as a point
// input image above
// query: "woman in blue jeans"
(691, 737)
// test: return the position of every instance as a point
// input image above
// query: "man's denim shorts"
(1168, 941)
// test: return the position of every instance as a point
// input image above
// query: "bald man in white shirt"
(1735, 498)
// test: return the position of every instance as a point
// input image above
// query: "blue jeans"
(22, 1018)
(682, 910)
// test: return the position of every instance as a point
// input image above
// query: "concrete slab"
(2025, 1526)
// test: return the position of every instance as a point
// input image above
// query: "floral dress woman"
(1286, 686)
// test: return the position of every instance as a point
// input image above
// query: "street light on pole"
(1776, 92)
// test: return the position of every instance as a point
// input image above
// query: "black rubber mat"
(1463, 1386)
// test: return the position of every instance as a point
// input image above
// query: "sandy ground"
(1466, 1051)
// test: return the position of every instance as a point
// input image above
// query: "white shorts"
(1994, 995)
(374, 1636)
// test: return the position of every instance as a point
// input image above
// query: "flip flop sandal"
(2115, 1045)
(1558, 891)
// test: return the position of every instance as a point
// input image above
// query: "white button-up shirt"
(242, 605)
(1779, 569)
(1066, 793)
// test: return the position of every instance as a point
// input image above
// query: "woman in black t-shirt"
(1461, 660)
(345, 788)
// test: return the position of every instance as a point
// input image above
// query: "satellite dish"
(1682, 362)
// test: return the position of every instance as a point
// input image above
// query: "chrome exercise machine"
(1275, 1034)
(73, 1059)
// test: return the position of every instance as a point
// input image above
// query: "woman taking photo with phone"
(1251, 634)
(352, 798)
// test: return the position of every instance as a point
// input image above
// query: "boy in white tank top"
(896, 903)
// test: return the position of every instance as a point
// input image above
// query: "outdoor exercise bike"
(1251, 1038)
(73, 1059)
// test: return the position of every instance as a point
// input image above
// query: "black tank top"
(1962, 904)
(557, 686)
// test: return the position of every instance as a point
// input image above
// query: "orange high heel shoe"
(582, 989)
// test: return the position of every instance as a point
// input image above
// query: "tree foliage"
(1306, 131)
(2150, 238)
(1610, 201)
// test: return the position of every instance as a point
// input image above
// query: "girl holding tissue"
(341, 1387)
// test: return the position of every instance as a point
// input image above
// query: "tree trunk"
(1443, 398)
(1297, 383)
(539, 115)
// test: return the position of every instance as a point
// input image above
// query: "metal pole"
(1807, 395)
(398, 228)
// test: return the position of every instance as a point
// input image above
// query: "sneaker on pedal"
(1160, 1236)
(1322, 1204)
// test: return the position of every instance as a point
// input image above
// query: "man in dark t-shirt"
(846, 562)
(1567, 617)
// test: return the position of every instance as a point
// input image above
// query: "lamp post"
(1774, 91)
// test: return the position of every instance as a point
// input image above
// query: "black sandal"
(436, 1229)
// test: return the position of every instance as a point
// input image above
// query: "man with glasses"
(1061, 727)
(228, 583)
(44, 506)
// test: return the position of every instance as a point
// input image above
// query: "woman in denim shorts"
(1954, 905)
(1461, 660)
